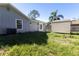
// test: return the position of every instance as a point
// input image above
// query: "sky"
(68, 10)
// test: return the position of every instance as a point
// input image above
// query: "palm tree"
(34, 14)
(54, 16)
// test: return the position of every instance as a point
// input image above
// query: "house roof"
(14, 9)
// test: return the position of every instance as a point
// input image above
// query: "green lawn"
(39, 44)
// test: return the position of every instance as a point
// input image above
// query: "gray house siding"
(44, 27)
(8, 20)
(8, 17)
(34, 26)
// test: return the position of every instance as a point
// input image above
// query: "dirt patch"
(1, 51)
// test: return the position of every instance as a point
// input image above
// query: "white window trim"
(16, 24)
(39, 26)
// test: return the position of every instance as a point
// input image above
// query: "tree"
(54, 16)
(34, 14)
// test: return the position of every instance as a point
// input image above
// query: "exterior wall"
(34, 26)
(25, 25)
(75, 28)
(48, 27)
(61, 27)
(8, 20)
(75, 21)
(43, 27)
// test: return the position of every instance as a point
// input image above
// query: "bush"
(24, 38)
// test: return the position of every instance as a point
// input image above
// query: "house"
(11, 17)
(48, 27)
(36, 25)
(65, 26)
(75, 26)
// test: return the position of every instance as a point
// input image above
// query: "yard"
(39, 44)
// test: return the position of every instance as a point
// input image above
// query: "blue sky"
(68, 10)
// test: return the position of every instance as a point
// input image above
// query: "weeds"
(39, 44)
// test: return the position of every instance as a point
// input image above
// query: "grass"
(39, 44)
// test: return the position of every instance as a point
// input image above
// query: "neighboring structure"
(48, 27)
(75, 26)
(36, 25)
(65, 26)
(12, 18)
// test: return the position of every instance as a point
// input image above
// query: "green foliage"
(39, 44)
(54, 16)
(25, 38)
(34, 14)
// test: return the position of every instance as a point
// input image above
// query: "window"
(19, 24)
(40, 26)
